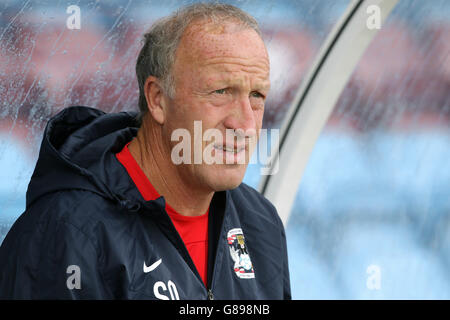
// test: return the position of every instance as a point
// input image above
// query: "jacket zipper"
(218, 248)
(209, 289)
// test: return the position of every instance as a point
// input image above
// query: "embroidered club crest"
(242, 264)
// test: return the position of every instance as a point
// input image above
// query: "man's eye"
(256, 94)
(220, 91)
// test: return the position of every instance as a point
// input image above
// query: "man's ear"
(155, 99)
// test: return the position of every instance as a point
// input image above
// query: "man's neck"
(154, 160)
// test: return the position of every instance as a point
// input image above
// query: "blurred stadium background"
(376, 190)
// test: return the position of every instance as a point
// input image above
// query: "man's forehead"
(209, 40)
(229, 70)
(261, 82)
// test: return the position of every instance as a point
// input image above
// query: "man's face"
(221, 75)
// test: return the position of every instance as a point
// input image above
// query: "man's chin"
(226, 177)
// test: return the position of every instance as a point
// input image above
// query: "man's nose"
(242, 117)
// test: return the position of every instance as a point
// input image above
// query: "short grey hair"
(161, 41)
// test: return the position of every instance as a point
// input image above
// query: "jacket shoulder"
(53, 234)
(78, 207)
(81, 210)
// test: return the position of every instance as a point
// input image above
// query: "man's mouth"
(230, 149)
(232, 154)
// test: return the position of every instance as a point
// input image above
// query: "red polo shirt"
(193, 230)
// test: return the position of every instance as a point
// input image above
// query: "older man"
(111, 214)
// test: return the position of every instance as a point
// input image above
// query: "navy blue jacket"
(87, 233)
